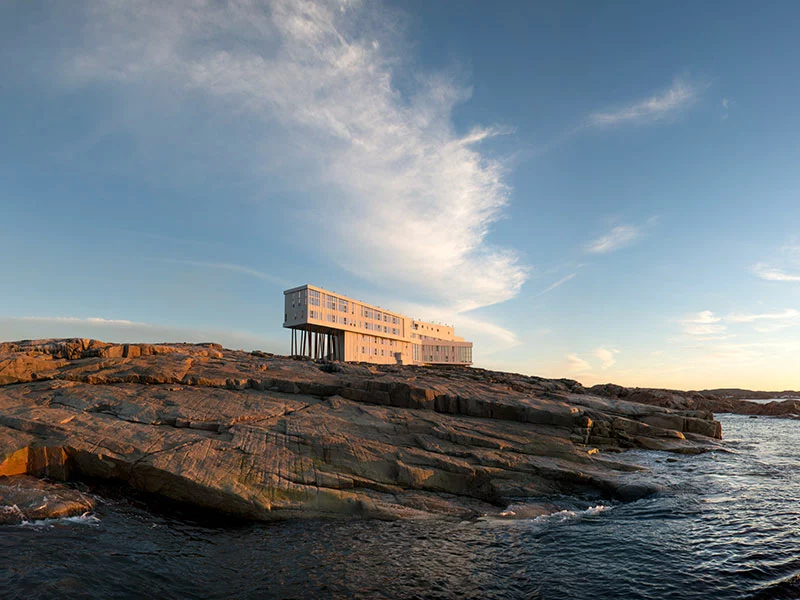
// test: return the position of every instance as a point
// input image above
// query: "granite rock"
(269, 437)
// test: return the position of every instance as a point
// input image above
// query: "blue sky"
(602, 192)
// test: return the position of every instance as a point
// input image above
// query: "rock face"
(25, 498)
(269, 437)
(725, 401)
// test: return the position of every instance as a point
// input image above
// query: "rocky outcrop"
(28, 499)
(710, 401)
(266, 437)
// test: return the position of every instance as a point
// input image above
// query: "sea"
(727, 525)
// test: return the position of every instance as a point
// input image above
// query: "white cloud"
(558, 283)
(607, 356)
(702, 324)
(769, 322)
(576, 365)
(87, 320)
(619, 237)
(703, 317)
(707, 326)
(408, 200)
(788, 314)
(660, 107)
(772, 274)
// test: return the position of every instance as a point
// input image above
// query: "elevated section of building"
(328, 325)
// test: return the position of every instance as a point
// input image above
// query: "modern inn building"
(328, 325)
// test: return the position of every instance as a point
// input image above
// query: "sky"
(608, 192)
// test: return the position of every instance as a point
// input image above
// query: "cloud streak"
(706, 325)
(703, 324)
(787, 314)
(233, 268)
(620, 236)
(123, 330)
(773, 274)
(558, 283)
(660, 107)
(409, 200)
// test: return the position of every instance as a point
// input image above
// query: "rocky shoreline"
(265, 437)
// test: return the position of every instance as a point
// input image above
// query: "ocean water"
(726, 526)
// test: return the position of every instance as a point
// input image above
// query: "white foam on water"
(568, 515)
(522, 512)
(84, 519)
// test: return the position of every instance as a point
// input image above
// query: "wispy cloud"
(491, 338)
(773, 274)
(703, 317)
(124, 330)
(233, 268)
(86, 320)
(585, 363)
(620, 236)
(787, 314)
(657, 108)
(703, 324)
(769, 322)
(558, 283)
(576, 364)
(408, 199)
(708, 326)
(607, 356)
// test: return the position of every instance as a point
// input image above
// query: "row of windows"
(334, 303)
(383, 328)
(365, 350)
(371, 339)
(337, 319)
(446, 354)
(298, 298)
(417, 326)
(379, 316)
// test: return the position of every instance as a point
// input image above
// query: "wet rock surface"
(26, 499)
(269, 437)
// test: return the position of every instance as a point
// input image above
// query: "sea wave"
(533, 513)
(86, 518)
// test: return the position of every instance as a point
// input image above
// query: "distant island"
(751, 395)
(262, 436)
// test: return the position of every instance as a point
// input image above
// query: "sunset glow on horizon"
(606, 193)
